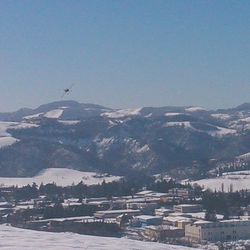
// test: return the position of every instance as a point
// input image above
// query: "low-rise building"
(147, 220)
(143, 193)
(177, 221)
(115, 213)
(163, 232)
(163, 211)
(188, 208)
(146, 207)
(224, 230)
(184, 193)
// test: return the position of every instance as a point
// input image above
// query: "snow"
(149, 115)
(179, 124)
(202, 215)
(221, 116)
(172, 114)
(7, 141)
(247, 119)
(69, 122)
(4, 126)
(239, 180)
(106, 142)
(5, 138)
(218, 131)
(194, 109)
(122, 113)
(32, 116)
(56, 113)
(23, 239)
(222, 132)
(244, 156)
(24, 125)
(143, 149)
(79, 218)
(61, 176)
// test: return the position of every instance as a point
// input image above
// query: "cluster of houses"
(147, 214)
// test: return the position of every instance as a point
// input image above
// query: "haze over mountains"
(91, 137)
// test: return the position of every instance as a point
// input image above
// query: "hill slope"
(91, 137)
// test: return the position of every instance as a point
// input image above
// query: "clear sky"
(125, 53)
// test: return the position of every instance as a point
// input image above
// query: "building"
(143, 193)
(145, 207)
(163, 211)
(163, 232)
(224, 230)
(184, 193)
(188, 208)
(161, 196)
(116, 213)
(177, 221)
(147, 220)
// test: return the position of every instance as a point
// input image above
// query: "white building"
(224, 230)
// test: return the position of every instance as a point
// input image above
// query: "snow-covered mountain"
(91, 137)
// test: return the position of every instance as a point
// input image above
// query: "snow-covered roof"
(177, 219)
(202, 215)
(148, 217)
(66, 219)
(122, 211)
(145, 192)
(188, 205)
(202, 222)
(162, 227)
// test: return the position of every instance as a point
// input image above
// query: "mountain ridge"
(93, 137)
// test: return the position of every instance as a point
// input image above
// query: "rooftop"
(162, 227)
(187, 205)
(119, 211)
(144, 192)
(148, 217)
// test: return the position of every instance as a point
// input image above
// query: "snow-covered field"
(194, 109)
(179, 124)
(22, 239)
(6, 139)
(69, 122)
(122, 113)
(56, 113)
(61, 176)
(239, 180)
(172, 114)
(222, 132)
(217, 132)
(28, 117)
(221, 116)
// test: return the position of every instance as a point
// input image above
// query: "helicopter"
(67, 90)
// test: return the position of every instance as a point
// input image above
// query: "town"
(155, 210)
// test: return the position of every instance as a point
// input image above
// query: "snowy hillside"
(54, 113)
(6, 139)
(122, 113)
(21, 239)
(89, 137)
(237, 180)
(60, 176)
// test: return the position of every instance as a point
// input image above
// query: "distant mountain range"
(69, 134)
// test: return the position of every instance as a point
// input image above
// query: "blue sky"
(125, 53)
